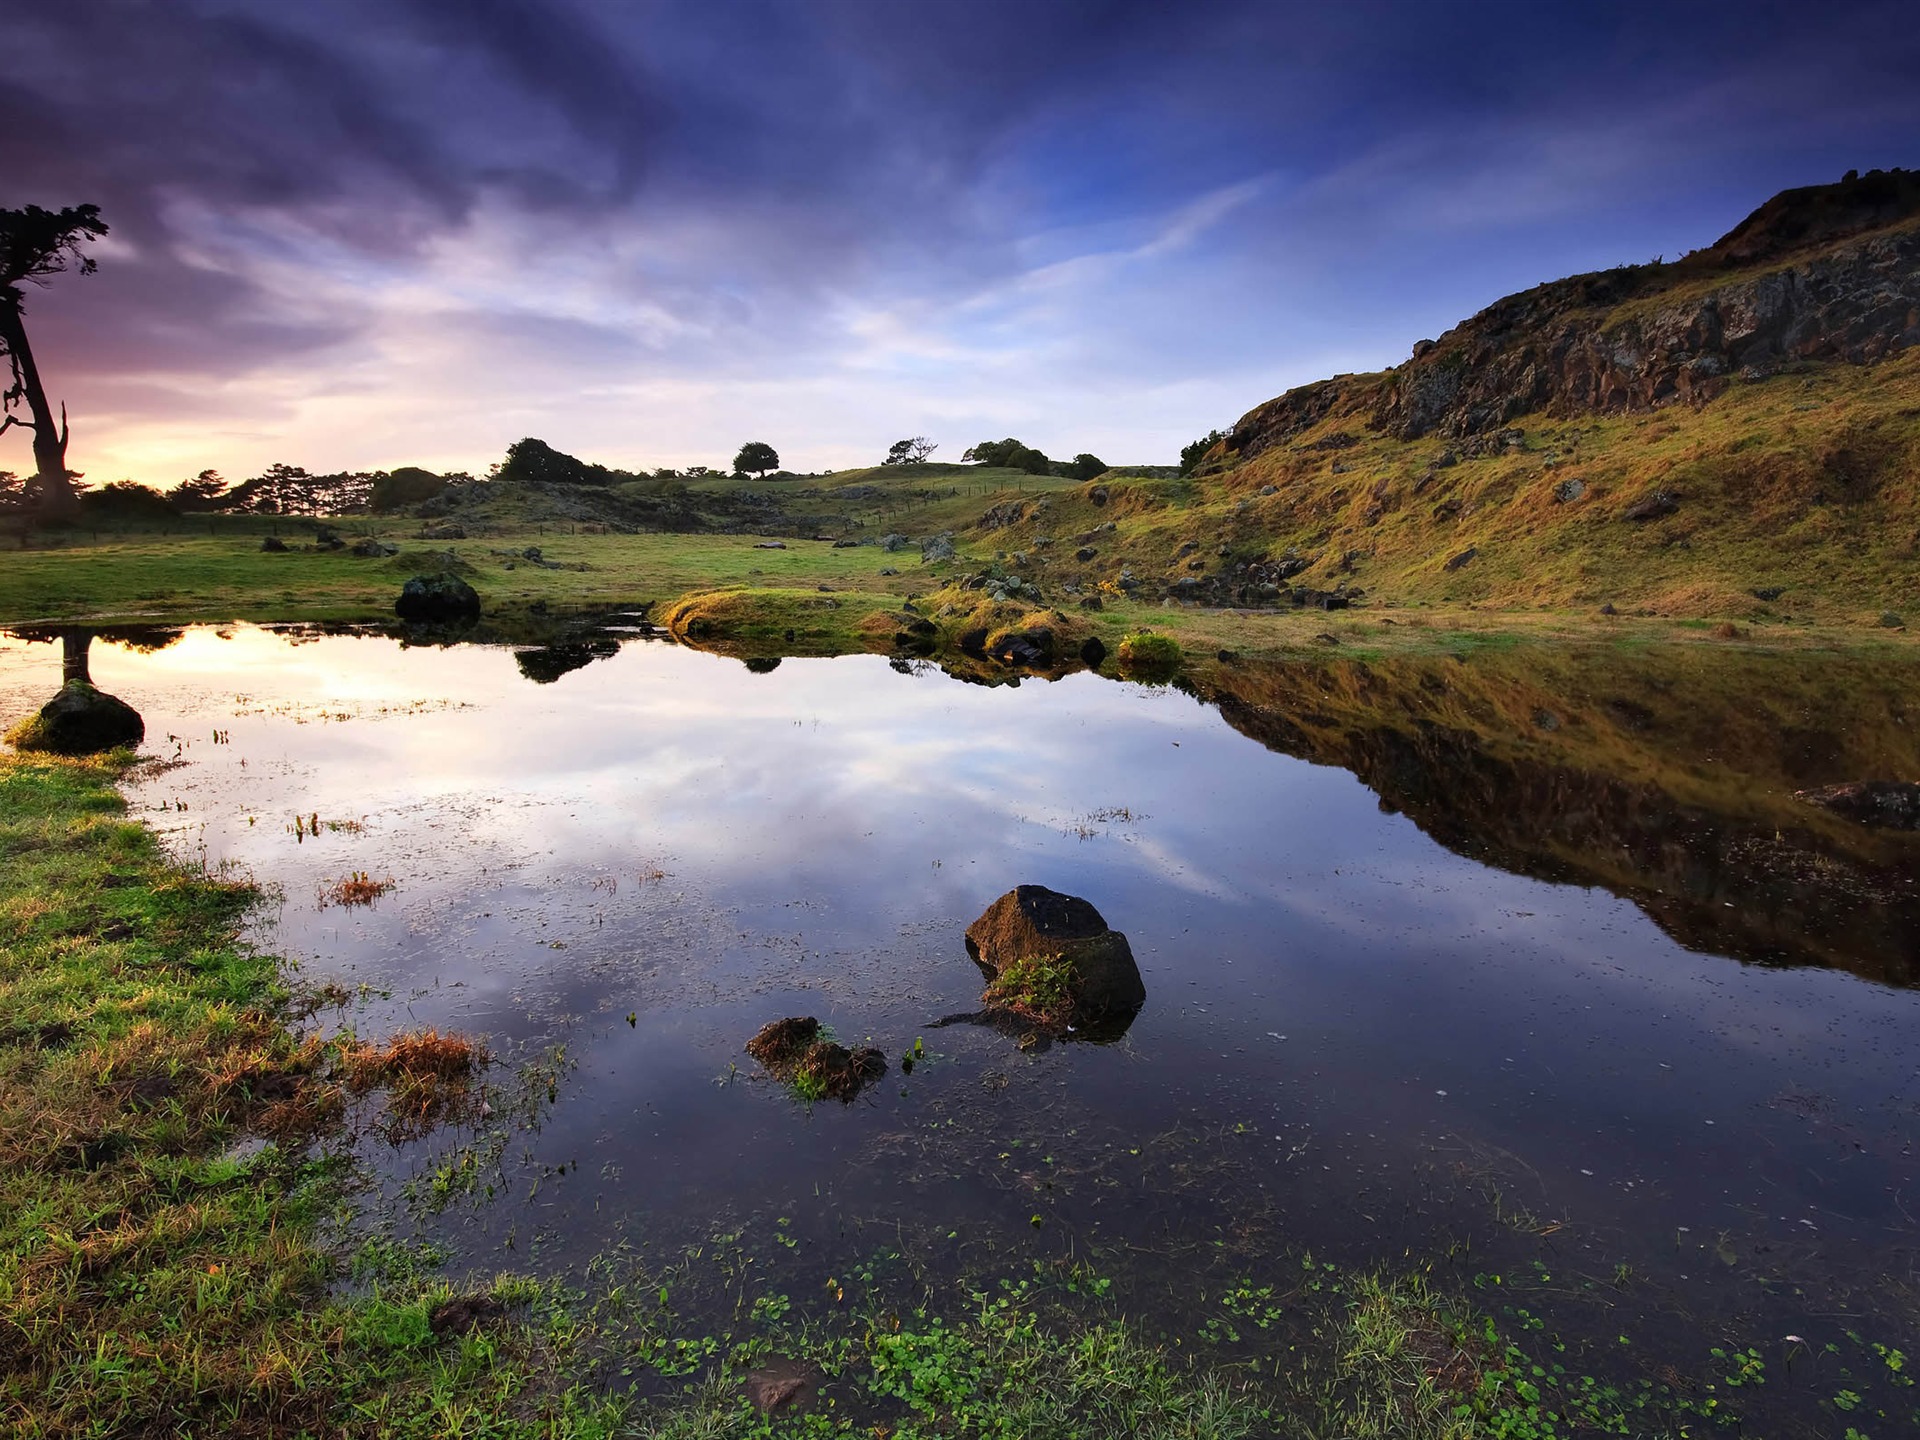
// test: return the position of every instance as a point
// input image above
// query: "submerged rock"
(1052, 959)
(1879, 804)
(80, 720)
(794, 1053)
(437, 598)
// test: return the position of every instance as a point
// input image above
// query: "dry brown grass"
(359, 888)
(428, 1076)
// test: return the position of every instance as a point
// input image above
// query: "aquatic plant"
(359, 888)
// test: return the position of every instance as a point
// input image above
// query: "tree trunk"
(58, 499)
(73, 656)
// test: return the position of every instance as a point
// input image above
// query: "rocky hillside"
(1828, 273)
(1735, 434)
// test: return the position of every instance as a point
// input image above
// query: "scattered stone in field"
(441, 597)
(1051, 959)
(770, 545)
(1092, 602)
(1568, 491)
(1768, 593)
(1890, 621)
(1878, 804)
(936, 548)
(1323, 638)
(1093, 652)
(1030, 648)
(1607, 609)
(1454, 562)
(1098, 494)
(369, 548)
(1085, 553)
(1652, 507)
(894, 543)
(889, 571)
(846, 544)
(444, 532)
(274, 545)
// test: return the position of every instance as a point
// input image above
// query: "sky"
(357, 234)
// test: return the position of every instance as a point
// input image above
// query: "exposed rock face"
(80, 720)
(437, 598)
(1880, 804)
(1829, 273)
(1052, 959)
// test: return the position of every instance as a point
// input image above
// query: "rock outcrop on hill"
(1826, 273)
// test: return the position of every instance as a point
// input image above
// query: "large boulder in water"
(1052, 959)
(437, 598)
(80, 720)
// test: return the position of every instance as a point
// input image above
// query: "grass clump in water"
(1145, 655)
(359, 888)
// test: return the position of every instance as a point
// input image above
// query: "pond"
(1550, 990)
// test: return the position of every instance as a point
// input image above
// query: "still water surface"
(1356, 1042)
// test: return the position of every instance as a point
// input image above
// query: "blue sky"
(365, 233)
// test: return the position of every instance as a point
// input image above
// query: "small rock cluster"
(794, 1053)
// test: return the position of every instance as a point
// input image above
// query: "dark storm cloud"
(723, 175)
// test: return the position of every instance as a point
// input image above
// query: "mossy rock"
(80, 720)
(1147, 656)
(796, 1053)
(1053, 960)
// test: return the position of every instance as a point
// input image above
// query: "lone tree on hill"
(910, 452)
(35, 244)
(756, 457)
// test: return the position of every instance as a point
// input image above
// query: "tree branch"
(13, 420)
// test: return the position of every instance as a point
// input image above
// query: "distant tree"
(409, 485)
(1009, 454)
(534, 462)
(202, 492)
(700, 472)
(756, 457)
(666, 473)
(1192, 455)
(990, 452)
(36, 244)
(280, 489)
(910, 452)
(13, 492)
(124, 500)
(1085, 466)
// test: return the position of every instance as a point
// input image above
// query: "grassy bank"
(834, 600)
(163, 1203)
